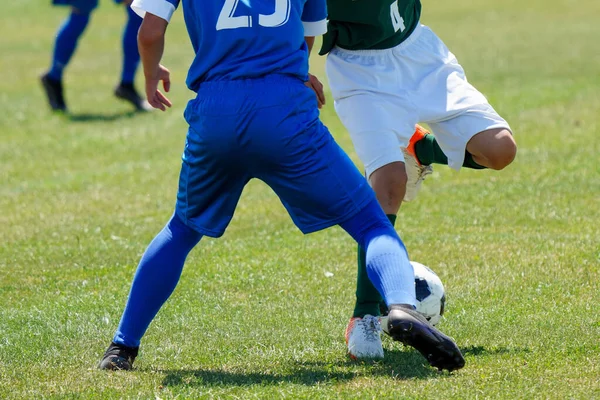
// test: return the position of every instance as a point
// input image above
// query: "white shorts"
(380, 95)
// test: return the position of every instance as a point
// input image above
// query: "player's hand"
(317, 87)
(155, 97)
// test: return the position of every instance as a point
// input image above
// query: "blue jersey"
(245, 39)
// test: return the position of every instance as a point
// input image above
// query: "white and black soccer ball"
(431, 297)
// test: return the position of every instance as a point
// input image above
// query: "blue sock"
(388, 265)
(131, 55)
(389, 269)
(155, 279)
(66, 42)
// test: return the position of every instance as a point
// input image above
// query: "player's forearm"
(151, 44)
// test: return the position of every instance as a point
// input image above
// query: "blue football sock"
(155, 279)
(388, 265)
(389, 269)
(66, 42)
(131, 55)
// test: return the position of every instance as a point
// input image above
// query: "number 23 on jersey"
(279, 17)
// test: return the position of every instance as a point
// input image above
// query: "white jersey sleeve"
(161, 8)
(314, 17)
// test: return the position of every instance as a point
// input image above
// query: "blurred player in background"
(65, 45)
(255, 117)
(387, 72)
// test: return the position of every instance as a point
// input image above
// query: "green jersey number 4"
(397, 20)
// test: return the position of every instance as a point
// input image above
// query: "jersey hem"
(414, 35)
(200, 229)
(328, 224)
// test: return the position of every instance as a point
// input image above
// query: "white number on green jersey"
(226, 20)
(397, 20)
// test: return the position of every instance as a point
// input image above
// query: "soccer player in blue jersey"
(66, 43)
(254, 117)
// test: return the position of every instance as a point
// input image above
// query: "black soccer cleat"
(406, 325)
(118, 357)
(54, 92)
(127, 92)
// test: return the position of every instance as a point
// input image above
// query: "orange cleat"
(415, 171)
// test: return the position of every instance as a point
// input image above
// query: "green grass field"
(254, 315)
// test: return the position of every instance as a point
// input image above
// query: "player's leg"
(493, 148)
(131, 59)
(366, 107)
(155, 279)
(475, 138)
(390, 271)
(468, 131)
(209, 190)
(65, 45)
(389, 184)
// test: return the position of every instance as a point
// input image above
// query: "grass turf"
(255, 315)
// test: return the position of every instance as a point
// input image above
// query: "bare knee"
(495, 148)
(504, 150)
(389, 184)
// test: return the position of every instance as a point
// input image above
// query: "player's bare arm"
(151, 43)
(313, 82)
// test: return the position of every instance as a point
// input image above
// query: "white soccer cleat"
(415, 171)
(363, 337)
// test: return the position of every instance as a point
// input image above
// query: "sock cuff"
(470, 163)
(401, 297)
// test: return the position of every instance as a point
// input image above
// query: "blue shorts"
(267, 129)
(82, 5)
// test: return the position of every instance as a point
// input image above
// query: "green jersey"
(369, 24)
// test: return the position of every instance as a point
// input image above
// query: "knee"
(505, 150)
(497, 147)
(181, 231)
(389, 184)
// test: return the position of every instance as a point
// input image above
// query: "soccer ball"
(431, 297)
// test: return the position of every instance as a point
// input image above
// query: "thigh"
(454, 134)
(210, 185)
(453, 108)
(316, 181)
(376, 133)
(439, 88)
(376, 114)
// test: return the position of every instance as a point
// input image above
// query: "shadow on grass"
(482, 351)
(215, 377)
(397, 365)
(93, 117)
